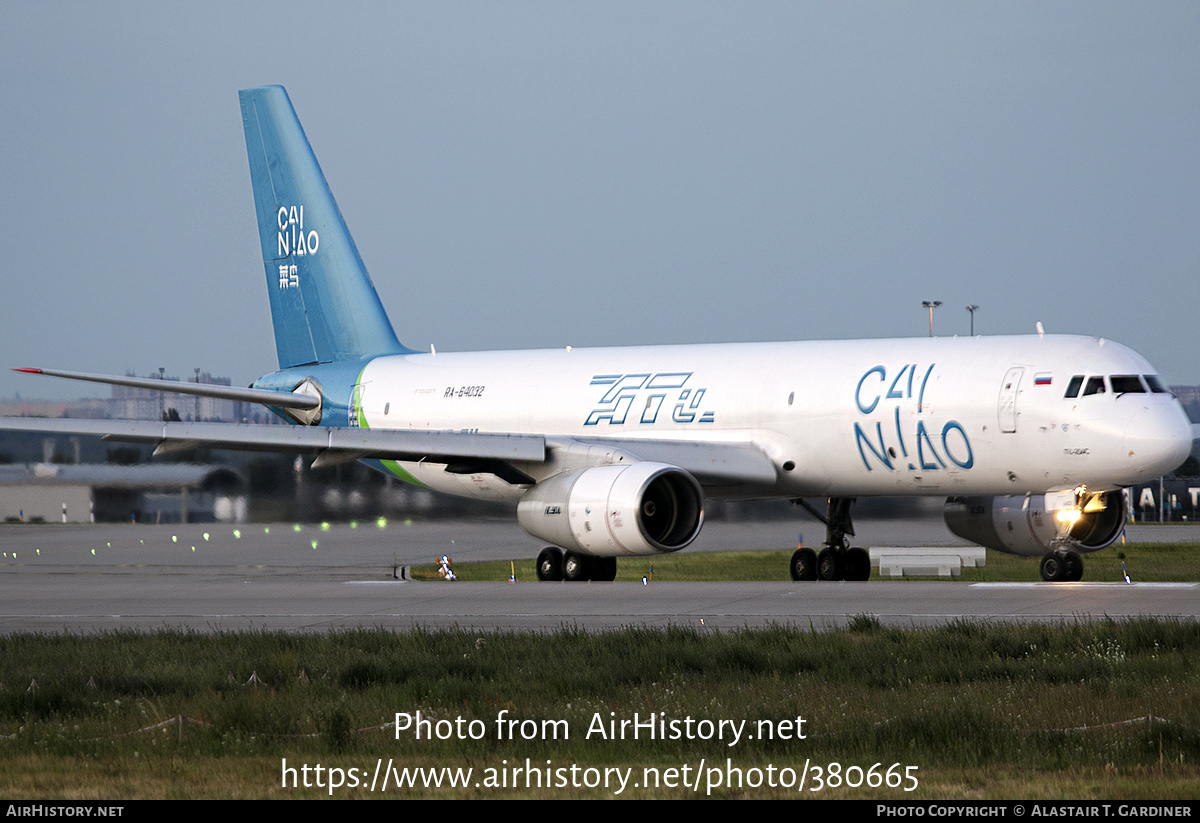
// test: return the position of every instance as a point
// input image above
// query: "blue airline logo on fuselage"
(908, 440)
(646, 394)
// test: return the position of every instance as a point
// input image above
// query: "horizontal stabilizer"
(283, 400)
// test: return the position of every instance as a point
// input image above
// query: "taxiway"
(306, 578)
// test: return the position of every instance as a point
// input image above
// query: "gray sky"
(523, 175)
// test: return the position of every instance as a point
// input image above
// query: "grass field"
(1081, 710)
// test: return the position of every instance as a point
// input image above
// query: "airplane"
(612, 452)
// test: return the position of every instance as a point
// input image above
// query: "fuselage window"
(1126, 384)
(1095, 385)
(1073, 386)
(1152, 382)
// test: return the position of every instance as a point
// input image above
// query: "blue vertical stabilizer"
(323, 303)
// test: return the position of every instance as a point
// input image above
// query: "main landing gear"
(1062, 566)
(555, 564)
(838, 560)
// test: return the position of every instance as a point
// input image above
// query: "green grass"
(1077, 710)
(1144, 562)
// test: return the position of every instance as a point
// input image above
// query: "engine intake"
(629, 509)
(1029, 526)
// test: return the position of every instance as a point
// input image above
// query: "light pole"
(972, 309)
(931, 305)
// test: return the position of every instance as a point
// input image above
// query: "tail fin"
(323, 304)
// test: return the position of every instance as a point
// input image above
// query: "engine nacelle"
(1030, 526)
(628, 509)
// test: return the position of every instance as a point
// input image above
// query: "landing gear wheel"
(1073, 567)
(858, 564)
(804, 564)
(576, 567)
(833, 562)
(604, 569)
(1054, 568)
(550, 564)
(829, 565)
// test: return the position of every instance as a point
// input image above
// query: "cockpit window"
(1073, 386)
(1152, 382)
(1126, 384)
(1095, 385)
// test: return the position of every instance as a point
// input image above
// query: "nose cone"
(1158, 440)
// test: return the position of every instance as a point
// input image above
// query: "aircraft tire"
(1053, 568)
(550, 564)
(576, 568)
(1073, 567)
(829, 565)
(604, 569)
(858, 564)
(804, 564)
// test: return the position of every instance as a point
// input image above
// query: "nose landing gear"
(1062, 566)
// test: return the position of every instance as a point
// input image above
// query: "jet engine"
(1035, 524)
(629, 509)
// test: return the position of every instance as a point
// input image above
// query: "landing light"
(1068, 516)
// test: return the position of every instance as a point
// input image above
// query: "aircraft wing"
(711, 463)
(335, 444)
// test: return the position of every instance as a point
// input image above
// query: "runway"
(221, 577)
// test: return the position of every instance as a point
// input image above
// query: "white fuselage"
(921, 416)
